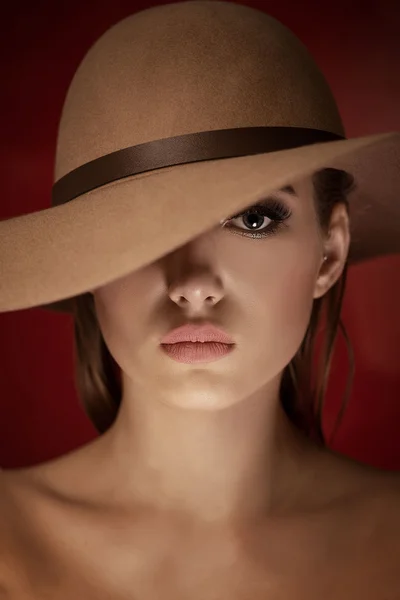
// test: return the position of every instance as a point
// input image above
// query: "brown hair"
(97, 376)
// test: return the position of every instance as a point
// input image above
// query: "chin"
(200, 401)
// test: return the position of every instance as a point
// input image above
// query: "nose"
(198, 291)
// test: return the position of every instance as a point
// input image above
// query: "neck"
(241, 462)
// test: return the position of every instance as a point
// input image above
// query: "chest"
(306, 580)
(329, 560)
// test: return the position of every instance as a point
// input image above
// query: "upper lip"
(191, 332)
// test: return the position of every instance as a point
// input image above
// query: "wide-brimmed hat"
(177, 117)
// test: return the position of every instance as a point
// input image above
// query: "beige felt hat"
(178, 117)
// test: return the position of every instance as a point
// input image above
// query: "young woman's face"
(260, 290)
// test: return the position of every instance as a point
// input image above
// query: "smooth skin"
(202, 488)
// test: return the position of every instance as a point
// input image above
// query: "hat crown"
(188, 67)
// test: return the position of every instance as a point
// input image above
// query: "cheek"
(282, 300)
(117, 305)
(292, 300)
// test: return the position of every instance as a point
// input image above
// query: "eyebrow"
(288, 189)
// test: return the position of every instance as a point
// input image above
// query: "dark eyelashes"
(275, 210)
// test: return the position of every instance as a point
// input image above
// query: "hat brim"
(50, 256)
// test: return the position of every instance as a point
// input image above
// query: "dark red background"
(357, 45)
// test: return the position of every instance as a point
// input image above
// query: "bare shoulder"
(32, 498)
(377, 490)
(23, 526)
(23, 506)
(46, 491)
(385, 487)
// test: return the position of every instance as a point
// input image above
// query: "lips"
(206, 332)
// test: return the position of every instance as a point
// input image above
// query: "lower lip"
(197, 352)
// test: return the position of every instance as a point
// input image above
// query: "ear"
(335, 248)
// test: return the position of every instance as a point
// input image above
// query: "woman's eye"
(252, 221)
(260, 220)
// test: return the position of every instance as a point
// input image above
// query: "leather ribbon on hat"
(178, 150)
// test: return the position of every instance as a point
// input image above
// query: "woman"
(195, 324)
